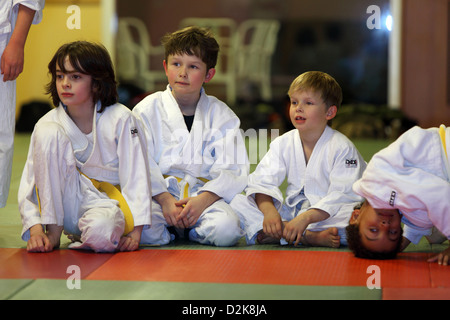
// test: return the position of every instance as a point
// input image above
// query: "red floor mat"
(19, 264)
(290, 267)
(410, 270)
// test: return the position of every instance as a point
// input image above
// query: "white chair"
(256, 44)
(134, 54)
(224, 30)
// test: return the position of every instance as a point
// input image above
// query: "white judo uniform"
(55, 188)
(413, 176)
(8, 16)
(324, 183)
(210, 157)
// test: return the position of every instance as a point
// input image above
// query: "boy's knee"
(226, 232)
(158, 235)
(102, 228)
(228, 237)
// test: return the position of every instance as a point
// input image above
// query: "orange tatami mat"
(277, 267)
(325, 268)
(19, 264)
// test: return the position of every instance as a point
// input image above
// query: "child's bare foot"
(73, 237)
(54, 235)
(326, 238)
(436, 237)
(54, 240)
(263, 238)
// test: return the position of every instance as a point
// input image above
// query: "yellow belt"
(113, 192)
(442, 135)
(186, 187)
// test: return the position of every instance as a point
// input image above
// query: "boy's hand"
(442, 258)
(42, 242)
(295, 228)
(169, 208)
(12, 61)
(272, 224)
(193, 207)
(130, 242)
(171, 214)
(38, 241)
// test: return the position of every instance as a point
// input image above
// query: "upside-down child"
(198, 159)
(321, 166)
(85, 171)
(408, 182)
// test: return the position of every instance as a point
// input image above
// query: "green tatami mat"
(10, 287)
(137, 290)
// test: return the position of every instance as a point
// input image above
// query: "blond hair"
(322, 83)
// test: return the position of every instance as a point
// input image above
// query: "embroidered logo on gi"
(134, 132)
(392, 199)
(351, 163)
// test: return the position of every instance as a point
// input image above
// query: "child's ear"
(209, 75)
(331, 112)
(95, 86)
(165, 66)
(354, 217)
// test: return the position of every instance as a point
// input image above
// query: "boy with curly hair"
(409, 182)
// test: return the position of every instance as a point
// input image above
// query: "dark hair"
(192, 41)
(91, 59)
(360, 251)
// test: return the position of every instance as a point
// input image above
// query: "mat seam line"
(20, 289)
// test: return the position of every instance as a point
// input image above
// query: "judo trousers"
(68, 198)
(218, 225)
(7, 125)
(252, 218)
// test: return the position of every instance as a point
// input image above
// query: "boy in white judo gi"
(85, 171)
(198, 160)
(16, 18)
(409, 182)
(321, 166)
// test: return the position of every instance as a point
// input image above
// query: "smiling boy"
(409, 182)
(197, 156)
